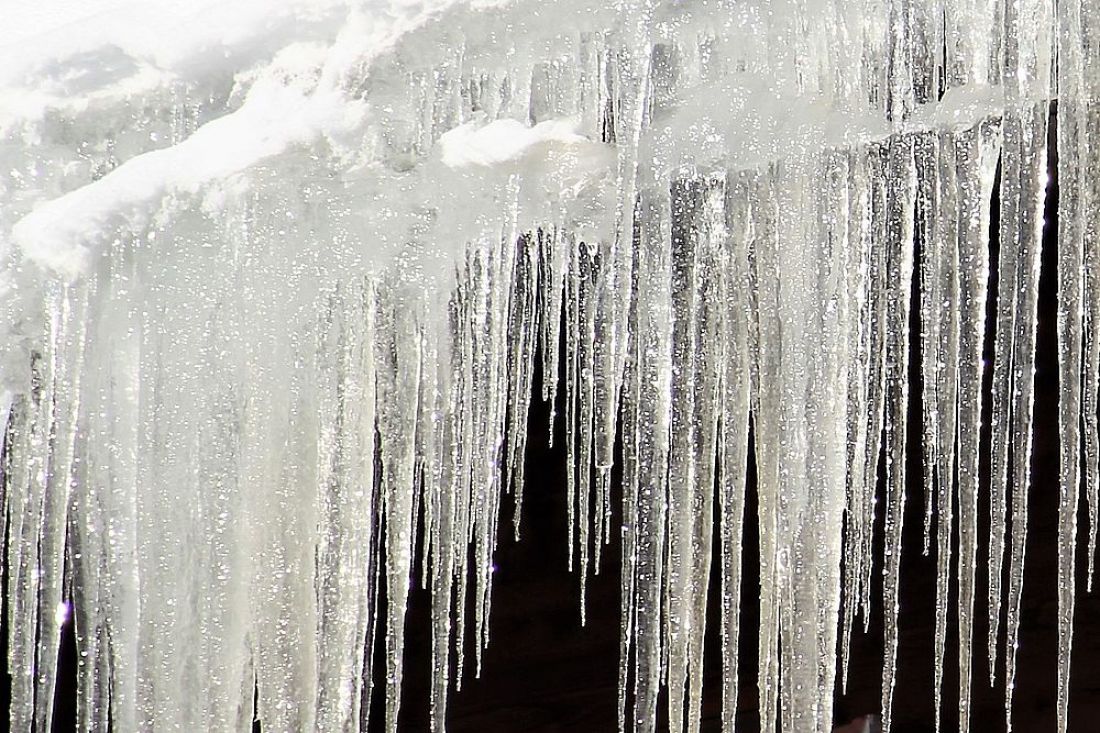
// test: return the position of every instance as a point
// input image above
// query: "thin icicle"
(976, 157)
(901, 199)
(572, 384)
(931, 315)
(399, 365)
(1033, 194)
(859, 247)
(633, 435)
(1090, 191)
(555, 247)
(734, 433)
(522, 330)
(1073, 149)
(1026, 74)
(947, 359)
(876, 380)
(588, 532)
(1002, 385)
(443, 564)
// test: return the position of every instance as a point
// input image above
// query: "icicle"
(683, 456)
(655, 375)
(765, 411)
(443, 564)
(859, 494)
(67, 336)
(709, 345)
(632, 437)
(976, 156)
(1002, 387)
(1073, 155)
(901, 197)
(522, 329)
(34, 421)
(876, 380)
(1026, 74)
(931, 300)
(857, 419)
(572, 384)
(734, 433)
(398, 368)
(698, 224)
(827, 465)
(1090, 403)
(587, 293)
(555, 258)
(902, 176)
(633, 434)
(462, 534)
(631, 75)
(490, 403)
(1032, 190)
(344, 602)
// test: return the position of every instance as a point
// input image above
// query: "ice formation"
(274, 283)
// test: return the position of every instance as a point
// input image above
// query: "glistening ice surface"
(274, 280)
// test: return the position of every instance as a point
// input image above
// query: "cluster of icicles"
(234, 426)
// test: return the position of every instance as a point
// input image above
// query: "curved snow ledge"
(62, 235)
(477, 159)
(739, 121)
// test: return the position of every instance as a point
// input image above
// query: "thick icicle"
(765, 406)
(655, 376)
(686, 202)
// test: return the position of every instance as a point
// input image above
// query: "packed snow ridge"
(273, 284)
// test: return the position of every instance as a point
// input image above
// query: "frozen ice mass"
(274, 278)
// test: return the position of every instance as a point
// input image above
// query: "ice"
(734, 428)
(1027, 64)
(975, 158)
(273, 284)
(901, 169)
(946, 288)
(1032, 194)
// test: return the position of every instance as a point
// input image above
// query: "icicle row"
(336, 410)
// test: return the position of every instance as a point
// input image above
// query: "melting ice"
(274, 283)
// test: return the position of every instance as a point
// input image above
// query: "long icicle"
(1072, 153)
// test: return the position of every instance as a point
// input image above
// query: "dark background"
(544, 672)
